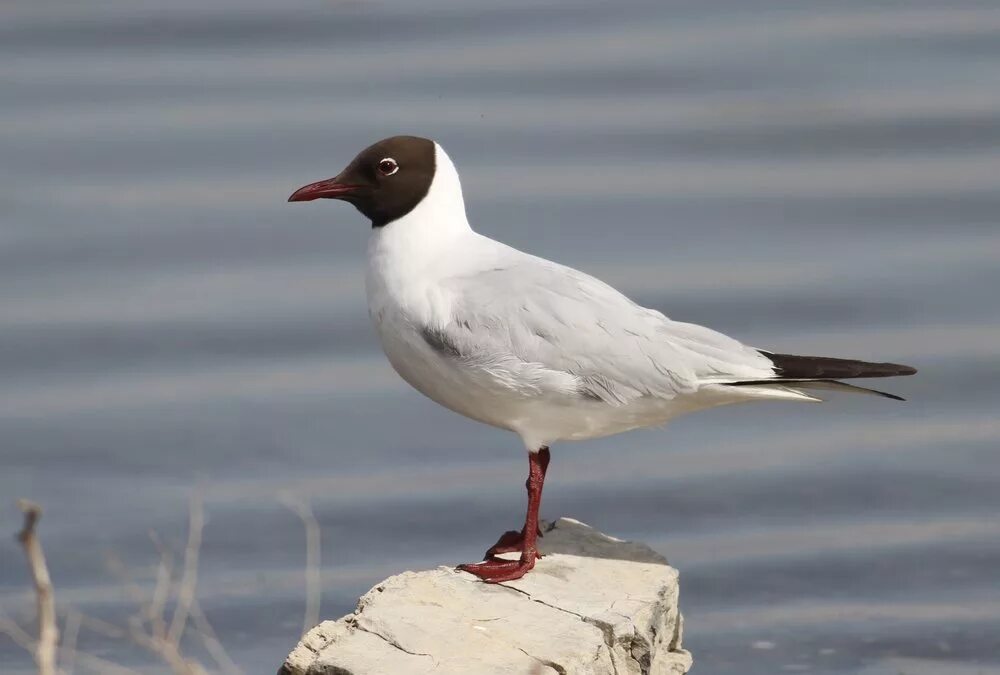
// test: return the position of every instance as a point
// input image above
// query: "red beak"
(330, 188)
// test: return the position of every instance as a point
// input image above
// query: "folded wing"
(531, 320)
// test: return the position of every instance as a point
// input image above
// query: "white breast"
(407, 258)
(410, 263)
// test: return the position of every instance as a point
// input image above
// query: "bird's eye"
(388, 166)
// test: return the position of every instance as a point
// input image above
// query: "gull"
(528, 345)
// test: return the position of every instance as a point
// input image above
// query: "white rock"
(594, 605)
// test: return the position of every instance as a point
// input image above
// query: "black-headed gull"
(529, 345)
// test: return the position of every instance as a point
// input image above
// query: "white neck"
(439, 215)
(429, 240)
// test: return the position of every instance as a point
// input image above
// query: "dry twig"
(149, 626)
(162, 639)
(313, 571)
(211, 641)
(169, 652)
(189, 577)
(13, 630)
(161, 592)
(48, 632)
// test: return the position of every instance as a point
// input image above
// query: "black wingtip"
(794, 366)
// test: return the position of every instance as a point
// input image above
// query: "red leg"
(495, 570)
(512, 541)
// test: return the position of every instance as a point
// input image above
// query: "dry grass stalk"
(189, 576)
(48, 632)
(149, 627)
(313, 570)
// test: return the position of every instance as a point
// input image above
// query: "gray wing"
(536, 322)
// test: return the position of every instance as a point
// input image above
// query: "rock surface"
(593, 605)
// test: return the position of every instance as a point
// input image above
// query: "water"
(815, 178)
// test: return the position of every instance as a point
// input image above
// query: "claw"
(510, 541)
(496, 570)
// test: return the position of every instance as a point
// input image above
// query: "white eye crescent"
(388, 166)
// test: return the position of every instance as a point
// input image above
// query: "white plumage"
(529, 345)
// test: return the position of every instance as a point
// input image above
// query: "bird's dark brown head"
(384, 182)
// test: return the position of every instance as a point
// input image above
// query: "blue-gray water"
(817, 177)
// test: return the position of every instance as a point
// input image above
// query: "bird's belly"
(439, 378)
(539, 418)
(549, 419)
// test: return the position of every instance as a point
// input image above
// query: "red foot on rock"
(496, 570)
